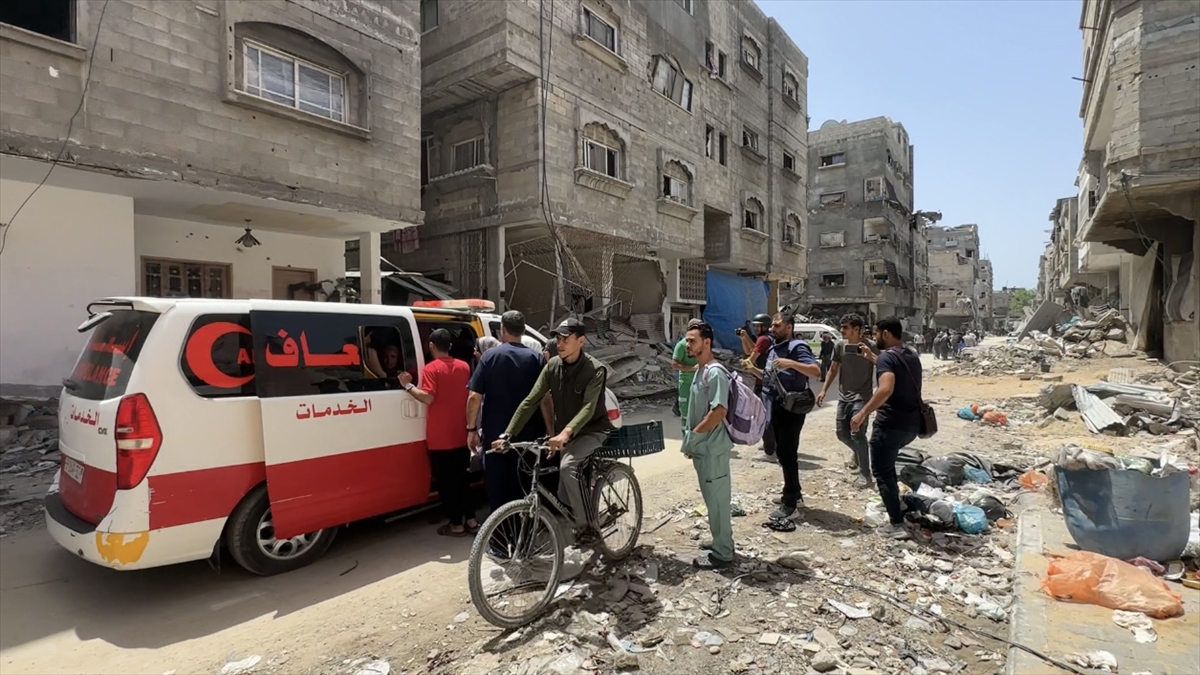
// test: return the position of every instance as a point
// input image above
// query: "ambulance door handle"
(411, 409)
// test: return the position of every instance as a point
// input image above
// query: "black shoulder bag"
(796, 402)
(929, 425)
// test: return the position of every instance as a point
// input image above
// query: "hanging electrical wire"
(70, 128)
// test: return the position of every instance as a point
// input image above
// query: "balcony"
(477, 50)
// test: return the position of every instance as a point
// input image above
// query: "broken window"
(749, 139)
(970, 253)
(710, 141)
(791, 229)
(664, 77)
(873, 189)
(723, 149)
(600, 30)
(286, 80)
(789, 162)
(710, 57)
(686, 5)
(685, 96)
(876, 229)
(875, 272)
(751, 54)
(601, 158)
(426, 154)
(429, 15)
(676, 180)
(52, 18)
(837, 159)
(754, 211)
(833, 279)
(941, 305)
(950, 242)
(722, 63)
(468, 154)
(833, 239)
(833, 199)
(791, 88)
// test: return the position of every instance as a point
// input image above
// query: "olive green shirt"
(577, 390)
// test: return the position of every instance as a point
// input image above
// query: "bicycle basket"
(634, 440)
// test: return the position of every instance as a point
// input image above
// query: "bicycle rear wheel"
(617, 503)
(518, 551)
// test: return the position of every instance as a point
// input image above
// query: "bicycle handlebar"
(524, 446)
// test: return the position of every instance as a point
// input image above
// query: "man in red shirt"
(444, 389)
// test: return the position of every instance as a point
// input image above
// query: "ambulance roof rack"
(469, 304)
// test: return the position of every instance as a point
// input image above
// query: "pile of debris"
(1121, 407)
(29, 458)
(1105, 335)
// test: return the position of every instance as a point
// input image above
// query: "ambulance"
(255, 427)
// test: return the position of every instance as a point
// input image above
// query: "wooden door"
(284, 277)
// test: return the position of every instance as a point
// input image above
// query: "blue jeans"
(855, 440)
(885, 446)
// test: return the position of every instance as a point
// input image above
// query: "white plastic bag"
(876, 514)
(613, 408)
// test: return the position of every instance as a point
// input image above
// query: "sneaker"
(861, 483)
(709, 562)
(777, 500)
(894, 531)
(784, 513)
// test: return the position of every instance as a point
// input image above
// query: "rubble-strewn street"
(830, 596)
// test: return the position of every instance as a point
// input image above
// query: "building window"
(184, 279)
(429, 15)
(789, 163)
(833, 199)
(753, 217)
(791, 229)
(468, 154)
(289, 81)
(873, 189)
(791, 88)
(676, 183)
(715, 60)
(833, 239)
(875, 272)
(668, 82)
(838, 159)
(751, 54)
(601, 158)
(749, 139)
(687, 5)
(600, 30)
(426, 155)
(832, 280)
(685, 97)
(674, 189)
(723, 149)
(710, 141)
(52, 18)
(876, 229)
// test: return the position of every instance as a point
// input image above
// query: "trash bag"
(916, 503)
(1034, 480)
(950, 468)
(875, 514)
(976, 475)
(966, 413)
(916, 475)
(909, 456)
(970, 519)
(992, 507)
(995, 418)
(1095, 579)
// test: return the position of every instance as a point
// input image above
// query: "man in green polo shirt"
(685, 365)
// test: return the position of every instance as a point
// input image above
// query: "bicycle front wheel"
(515, 565)
(617, 503)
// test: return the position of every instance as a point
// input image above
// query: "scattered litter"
(378, 667)
(243, 666)
(1095, 579)
(1098, 660)
(1139, 624)
(850, 611)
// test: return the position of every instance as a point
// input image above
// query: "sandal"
(472, 529)
(445, 531)
(786, 525)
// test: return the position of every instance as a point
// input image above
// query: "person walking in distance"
(789, 364)
(504, 377)
(897, 407)
(707, 443)
(444, 389)
(827, 345)
(685, 365)
(755, 345)
(575, 382)
(854, 376)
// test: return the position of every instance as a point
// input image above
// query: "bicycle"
(526, 533)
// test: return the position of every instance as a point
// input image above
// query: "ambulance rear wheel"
(250, 538)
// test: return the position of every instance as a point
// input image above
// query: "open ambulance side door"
(341, 444)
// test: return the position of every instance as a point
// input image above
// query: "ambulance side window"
(217, 357)
(388, 350)
(306, 353)
(463, 347)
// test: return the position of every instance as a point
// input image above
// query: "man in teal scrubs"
(707, 443)
(685, 365)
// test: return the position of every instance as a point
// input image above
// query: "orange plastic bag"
(995, 418)
(1095, 579)
(1033, 480)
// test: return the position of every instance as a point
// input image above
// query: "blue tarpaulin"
(732, 300)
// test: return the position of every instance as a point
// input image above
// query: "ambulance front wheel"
(250, 538)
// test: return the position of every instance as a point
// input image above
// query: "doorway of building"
(291, 283)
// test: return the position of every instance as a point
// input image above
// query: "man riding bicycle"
(575, 382)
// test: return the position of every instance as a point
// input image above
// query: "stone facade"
(867, 252)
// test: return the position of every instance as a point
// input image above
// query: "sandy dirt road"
(380, 583)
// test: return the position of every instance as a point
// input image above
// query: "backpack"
(745, 417)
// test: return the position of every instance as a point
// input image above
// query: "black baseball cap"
(570, 326)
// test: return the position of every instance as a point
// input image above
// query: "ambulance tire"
(241, 538)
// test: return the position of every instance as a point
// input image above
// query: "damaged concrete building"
(140, 142)
(663, 139)
(954, 275)
(867, 251)
(983, 293)
(1071, 263)
(1139, 183)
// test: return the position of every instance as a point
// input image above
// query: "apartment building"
(1139, 181)
(1001, 302)
(983, 293)
(663, 139)
(867, 250)
(140, 141)
(954, 274)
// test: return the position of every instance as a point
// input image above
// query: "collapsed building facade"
(867, 250)
(1139, 181)
(954, 276)
(608, 158)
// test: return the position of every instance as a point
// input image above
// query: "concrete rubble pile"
(29, 456)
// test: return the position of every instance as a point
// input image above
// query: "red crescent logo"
(199, 355)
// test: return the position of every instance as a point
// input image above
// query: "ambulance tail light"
(138, 439)
(472, 304)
